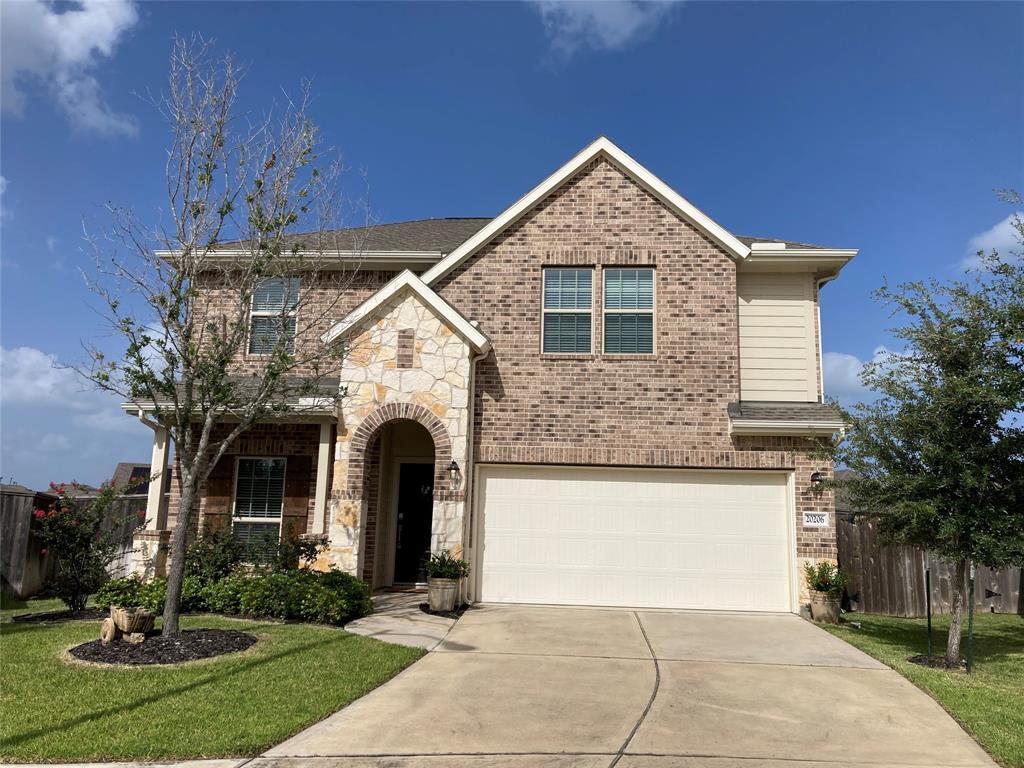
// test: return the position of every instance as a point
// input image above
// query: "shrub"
(225, 596)
(325, 598)
(214, 554)
(292, 552)
(84, 541)
(825, 577)
(119, 592)
(444, 565)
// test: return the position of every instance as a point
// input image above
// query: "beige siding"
(778, 346)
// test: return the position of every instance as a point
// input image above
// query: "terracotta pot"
(824, 608)
(442, 593)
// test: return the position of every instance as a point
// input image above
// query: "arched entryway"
(398, 461)
(398, 486)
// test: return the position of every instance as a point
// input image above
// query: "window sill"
(566, 356)
(620, 356)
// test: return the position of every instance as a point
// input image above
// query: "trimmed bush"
(324, 598)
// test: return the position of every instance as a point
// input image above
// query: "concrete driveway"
(588, 688)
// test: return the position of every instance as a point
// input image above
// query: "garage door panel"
(645, 538)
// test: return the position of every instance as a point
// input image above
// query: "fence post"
(970, 623)
(928, 597)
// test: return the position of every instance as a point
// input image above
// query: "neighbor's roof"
(420, 235)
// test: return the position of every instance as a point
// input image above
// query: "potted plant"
(444, 573)
(825, 581)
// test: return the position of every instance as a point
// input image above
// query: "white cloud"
(1003, 238)
(842, 374)
(51, 244)
(30, 376)
(4, 212)
(109, 419)
(602, 25)
(61, 49)
(52, 441)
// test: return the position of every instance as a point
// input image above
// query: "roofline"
(476, 338)
(306, 406)
(600, 147)
(329, 259)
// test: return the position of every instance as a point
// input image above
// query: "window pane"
(568, 288)
(628, 288)
(260, 539)
(259, 489)
(267, 331)
(567, 332)
(629, 334)
(277, 294)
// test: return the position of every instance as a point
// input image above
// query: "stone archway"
(372, 424)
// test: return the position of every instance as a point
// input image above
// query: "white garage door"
(635, 537)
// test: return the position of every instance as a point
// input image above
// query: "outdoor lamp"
(453, 474)
(816, 481)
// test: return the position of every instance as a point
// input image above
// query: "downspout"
(469, 518)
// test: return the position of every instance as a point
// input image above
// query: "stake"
(970, 623)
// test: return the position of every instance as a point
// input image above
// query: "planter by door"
(824, 608)
(442, 594)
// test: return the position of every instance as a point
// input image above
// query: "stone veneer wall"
(667, 409)
(434, 391)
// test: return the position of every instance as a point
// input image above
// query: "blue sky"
(884, 127)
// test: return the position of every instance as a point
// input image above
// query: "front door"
(415, 510)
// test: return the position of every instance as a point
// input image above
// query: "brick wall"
(667, 409)
(299, 443)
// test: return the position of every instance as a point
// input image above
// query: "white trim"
(779, 427)
(598, 148)
(441, 308)
(794, 576)
(545, 311)
(323, 469)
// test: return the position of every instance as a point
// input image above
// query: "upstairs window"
(628, 311)
(568, 311)
(272, 317)
(259, 502)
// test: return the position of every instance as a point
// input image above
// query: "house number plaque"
(815, 519)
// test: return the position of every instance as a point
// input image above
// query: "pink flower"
(39, 513)
(43, 551)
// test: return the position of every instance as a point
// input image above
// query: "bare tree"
(180, 295)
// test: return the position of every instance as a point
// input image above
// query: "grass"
(12, 606)
(989, 703)
(53, 709)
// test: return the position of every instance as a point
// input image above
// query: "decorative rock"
(135, 637)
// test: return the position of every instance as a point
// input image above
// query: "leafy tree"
(178, 290)
(86, 535)
(938, 457)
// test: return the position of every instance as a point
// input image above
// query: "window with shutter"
(628, 311)
(259, 501)
(568, 306)
(272, 317)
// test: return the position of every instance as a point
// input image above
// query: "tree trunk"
(176, 569)
(956, 612)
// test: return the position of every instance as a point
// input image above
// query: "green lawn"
(52, 709)
(989, 703)
(10, 606)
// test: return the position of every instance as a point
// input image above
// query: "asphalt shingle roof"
(443, 235)
(763, 410)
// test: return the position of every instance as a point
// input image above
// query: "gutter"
(470, 543)
(773, 427)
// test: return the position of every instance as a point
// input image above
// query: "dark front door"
(415, 509)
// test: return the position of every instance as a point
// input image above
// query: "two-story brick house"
(598, 397)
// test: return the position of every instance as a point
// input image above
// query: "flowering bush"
(825, 577)
(76, 530)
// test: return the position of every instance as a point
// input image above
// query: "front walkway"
(397, 618)
(589, 688)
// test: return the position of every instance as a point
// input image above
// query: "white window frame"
(636, 311)
(253, 313)
(234, 496)
(545, 311)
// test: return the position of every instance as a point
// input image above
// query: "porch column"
(156, 503)
(323, 468)
(149, 545)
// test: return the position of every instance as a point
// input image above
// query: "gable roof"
(600, 147)
(473, 336)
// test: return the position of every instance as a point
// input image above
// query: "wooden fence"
(891, 580)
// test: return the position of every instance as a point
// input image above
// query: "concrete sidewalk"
(397, 618)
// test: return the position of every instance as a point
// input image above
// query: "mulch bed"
(189, 645)
(457, 613)
(935, 662)
(93, 614)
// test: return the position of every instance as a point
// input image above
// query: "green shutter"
(568, 288)
(567, 332)
(259, 491)
(629, 334)
(628, 288)
(277, 294)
